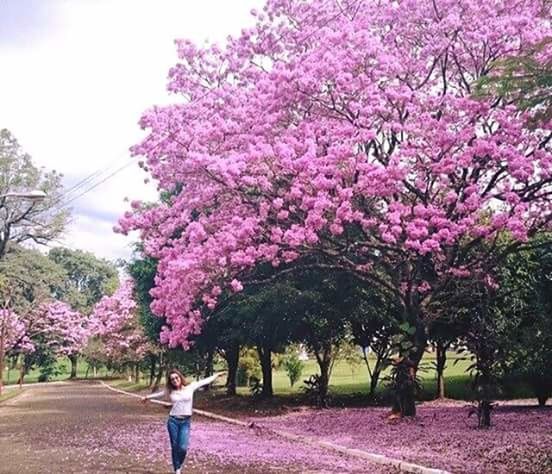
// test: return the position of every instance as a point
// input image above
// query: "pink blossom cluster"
(52, 322)
(346, 130)
(14, 332)
(115, 321)
(66, 330)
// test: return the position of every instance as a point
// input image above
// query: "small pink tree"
(115, 321)
(344, 136)
(56, 326)
(13, 337)
(66, 330)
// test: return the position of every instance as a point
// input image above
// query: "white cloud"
(75, 80)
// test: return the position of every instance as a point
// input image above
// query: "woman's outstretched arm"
(206, 381)
(153, 395)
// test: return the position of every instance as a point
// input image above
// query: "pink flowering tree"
(55, 330)
(115, 321)
(66, 330)
(13, 337)
(52, 326)
(345, 136)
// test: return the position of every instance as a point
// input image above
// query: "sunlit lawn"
(12, 376)
(345, 380)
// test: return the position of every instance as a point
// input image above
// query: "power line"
(80, 184)
(99, 172)
(98, 183)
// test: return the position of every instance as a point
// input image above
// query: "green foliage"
(293, 367)
(525, 80)
(527, 308)
(142, 270)
(27, 277)
(315, 394)
(23, 220)
(255, 387)
(88, 278)
(248, 367)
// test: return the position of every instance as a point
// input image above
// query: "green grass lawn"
(6, 395)
(344, 382)
(64, 365)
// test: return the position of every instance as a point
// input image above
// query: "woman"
(181, 394)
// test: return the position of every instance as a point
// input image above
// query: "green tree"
(527, 310)
(28, 278)
(88, 278)
(373, 324)
(525, 80)
(23, 220)
(293, 366)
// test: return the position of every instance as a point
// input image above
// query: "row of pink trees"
(52, 324)
(345, 136)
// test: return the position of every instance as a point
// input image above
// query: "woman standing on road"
(181, 394)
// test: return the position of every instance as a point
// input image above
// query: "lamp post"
(34, 195)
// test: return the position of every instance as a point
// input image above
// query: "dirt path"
(83, 428)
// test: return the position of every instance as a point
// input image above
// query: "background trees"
(23, 220)
(87, 280)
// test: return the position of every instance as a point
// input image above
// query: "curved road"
(84, 428)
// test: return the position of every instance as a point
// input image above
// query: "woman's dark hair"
(169, 385)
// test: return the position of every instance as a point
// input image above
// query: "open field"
(344, 380)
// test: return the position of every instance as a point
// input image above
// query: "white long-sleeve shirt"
(182, 399)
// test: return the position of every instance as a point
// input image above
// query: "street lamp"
(34, 195)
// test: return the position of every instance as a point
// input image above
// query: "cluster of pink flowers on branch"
(13, 333)
(346, 131)
(115, 321)
(66, 330)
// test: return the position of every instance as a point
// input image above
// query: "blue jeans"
(179, 434)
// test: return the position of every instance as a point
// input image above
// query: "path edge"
(403, 466)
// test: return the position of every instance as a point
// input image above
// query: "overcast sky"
(76, 76)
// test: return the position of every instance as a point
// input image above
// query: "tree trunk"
(137, 373)
(324, 360)
(209, 363)
(232, 356)
(485, 408)
(374, 379)
(440, 362)
(542, 400)
(405, 401)
(153, 360)
(209, 368)
(324, 381)
(159, 375)
(21, 372)
(265, 356)
(2, 355)
(73, 358)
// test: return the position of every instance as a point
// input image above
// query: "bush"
(293, 367)
(248, 367)
(313, 392)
